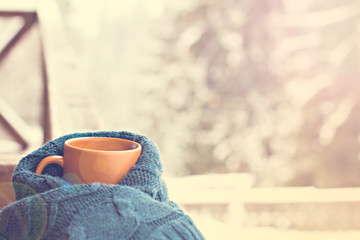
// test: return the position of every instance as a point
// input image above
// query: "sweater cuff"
(180, 229)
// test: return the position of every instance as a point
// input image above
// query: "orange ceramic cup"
(95, 159)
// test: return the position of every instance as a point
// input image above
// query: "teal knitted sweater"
(47, 207)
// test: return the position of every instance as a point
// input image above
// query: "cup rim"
(67, 143)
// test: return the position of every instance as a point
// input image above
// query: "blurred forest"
(269, 87)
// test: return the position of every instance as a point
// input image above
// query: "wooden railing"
(22, 19)
(230, 198)
(67, 103)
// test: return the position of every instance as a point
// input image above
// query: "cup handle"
(59, 160)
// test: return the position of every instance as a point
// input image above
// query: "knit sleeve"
(144, 176)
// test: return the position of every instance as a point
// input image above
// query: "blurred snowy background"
(266, 87)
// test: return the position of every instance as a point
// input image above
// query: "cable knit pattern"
(47, 207)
